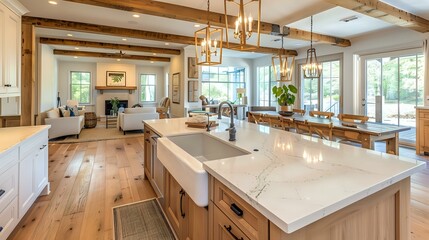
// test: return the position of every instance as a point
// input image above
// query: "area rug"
(97, 134)
(141, 221)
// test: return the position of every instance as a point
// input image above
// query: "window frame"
(327, 58)
(140, 87)
(90, 87)
(271, 83)
(239, 70)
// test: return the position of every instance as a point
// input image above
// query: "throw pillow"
(54, 113)
(73, 111)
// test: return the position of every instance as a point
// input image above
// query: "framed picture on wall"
(116, 79)
(193, 91)
(176, 88)
(192, 67)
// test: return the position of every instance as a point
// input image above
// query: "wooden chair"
(256, 117)
(323, 130)
(353, 118)
(287, 123)
(274, 121)
(299, 111)
(321, 114)
(302, 127)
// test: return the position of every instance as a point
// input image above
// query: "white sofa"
(64, 126)
(131, 118)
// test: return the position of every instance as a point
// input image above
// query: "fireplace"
(108, 105)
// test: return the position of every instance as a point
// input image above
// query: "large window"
(323, 93)
(80, 87)
(221, 83)
(147, 87)
(266, 81)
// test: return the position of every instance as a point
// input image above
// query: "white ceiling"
(291, 12)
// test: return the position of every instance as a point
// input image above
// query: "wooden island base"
(383, 215)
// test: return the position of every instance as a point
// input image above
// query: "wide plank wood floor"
(88, 179)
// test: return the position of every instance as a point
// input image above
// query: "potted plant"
(285, 96)
(115, 102)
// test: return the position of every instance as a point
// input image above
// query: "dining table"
(366, 133)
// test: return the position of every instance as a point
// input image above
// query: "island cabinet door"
(26, 184)
(147, 153)
(41, 168)
(424, 134)
(174, 205)
(196, 226)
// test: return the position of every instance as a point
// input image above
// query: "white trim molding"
(15, 6)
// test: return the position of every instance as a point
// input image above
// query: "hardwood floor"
(88, 179)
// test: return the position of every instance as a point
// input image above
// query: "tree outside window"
(80, 86)
(147, 87)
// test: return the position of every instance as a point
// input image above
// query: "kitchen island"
(301, 187)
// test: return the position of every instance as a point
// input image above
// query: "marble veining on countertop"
(295, 180)
(12, 136)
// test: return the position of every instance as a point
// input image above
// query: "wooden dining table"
(366, 133)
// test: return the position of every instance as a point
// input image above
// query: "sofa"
(132, 118)
(63, 126)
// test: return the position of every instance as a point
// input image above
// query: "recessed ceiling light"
(197, 25)
(151, 61)
(136, 15)
(75, 57)
(52, 2)
(124, 39)
(154, 54)
(166, 44)
(349, 19)
(118, 60)
(69, 35)
(76, 48)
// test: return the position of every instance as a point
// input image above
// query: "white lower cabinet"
(23, 176)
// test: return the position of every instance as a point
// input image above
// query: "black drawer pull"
(236, 210)
(229, 228)
(44, 145)
(2, 192)
(1, 229)
(182, 194)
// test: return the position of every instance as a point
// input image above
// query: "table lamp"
(240, 95)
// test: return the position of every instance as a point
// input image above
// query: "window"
(266, 81)
(147, 87)
(323, 93)
(80, 86)
(221, 83)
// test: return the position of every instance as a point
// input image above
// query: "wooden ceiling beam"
(123, 47)
(385, 12)
(110, 55)
(167, 10)
(132, 33)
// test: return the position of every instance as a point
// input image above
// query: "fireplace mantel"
(104, 88)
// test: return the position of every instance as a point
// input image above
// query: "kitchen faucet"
(231, 128)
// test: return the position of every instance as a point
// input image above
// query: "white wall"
(177, 66)
(47, 79)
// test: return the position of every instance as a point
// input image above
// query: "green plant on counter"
(285, 95)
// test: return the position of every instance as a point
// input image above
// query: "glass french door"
(324, 93)
(393, 86)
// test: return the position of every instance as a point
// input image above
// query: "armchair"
(163, 108)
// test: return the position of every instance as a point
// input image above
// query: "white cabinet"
(10, 47)
(23, 173)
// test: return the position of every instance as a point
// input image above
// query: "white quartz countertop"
(9, 137)
(295, 180)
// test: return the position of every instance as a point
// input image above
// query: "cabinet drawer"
(8, 159)
(248, 219)
(224, 228)
(33, 144)
(8, 186)
(9, 218)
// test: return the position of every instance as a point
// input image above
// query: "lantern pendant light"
(243, 25)
(208, 43)
(312, 68)
(283, 64)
